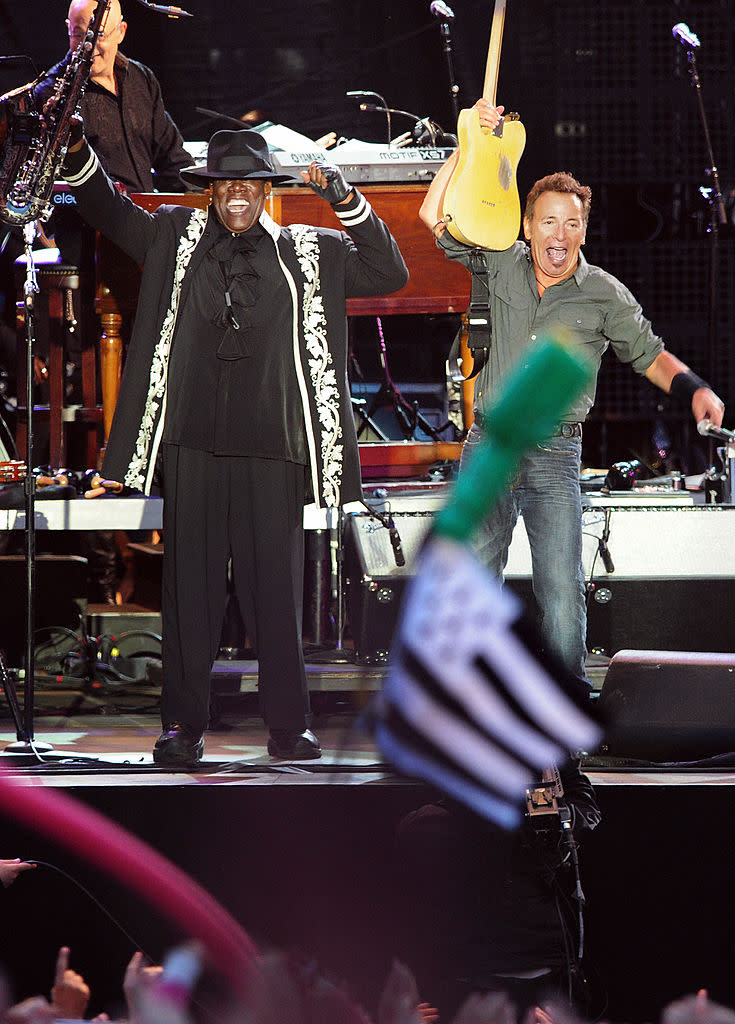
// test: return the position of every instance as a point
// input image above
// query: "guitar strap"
(476, 322)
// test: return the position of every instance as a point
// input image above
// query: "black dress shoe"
(289, 745)
(178, 747)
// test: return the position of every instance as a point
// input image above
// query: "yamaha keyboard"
(369, 164)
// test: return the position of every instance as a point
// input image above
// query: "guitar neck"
(490, 87)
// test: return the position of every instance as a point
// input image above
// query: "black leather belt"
(563, 429)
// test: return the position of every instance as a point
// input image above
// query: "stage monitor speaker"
(669, 706)
(375, 582)
(693, 613)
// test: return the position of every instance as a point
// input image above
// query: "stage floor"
(114, 726)
(92, 732)
(88, 738)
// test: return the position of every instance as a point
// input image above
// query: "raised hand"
(70, 992)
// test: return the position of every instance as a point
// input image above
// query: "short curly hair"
(560, 181)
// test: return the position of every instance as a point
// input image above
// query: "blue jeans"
(546, 493)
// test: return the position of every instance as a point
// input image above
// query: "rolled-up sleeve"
(630, 332)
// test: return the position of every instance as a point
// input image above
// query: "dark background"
(604, 91)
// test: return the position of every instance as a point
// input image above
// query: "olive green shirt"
(591, 305)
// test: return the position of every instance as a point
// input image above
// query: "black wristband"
(684, 384)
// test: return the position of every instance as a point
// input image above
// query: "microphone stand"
(25, 739)
(169, 11)
(428, 126)
(446, 35)
(337, 655)
(383, 107)
(718, 215)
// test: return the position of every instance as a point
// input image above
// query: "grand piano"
(435, 285)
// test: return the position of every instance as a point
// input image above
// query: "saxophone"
(35, 142)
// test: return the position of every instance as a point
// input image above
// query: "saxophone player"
(125, 119)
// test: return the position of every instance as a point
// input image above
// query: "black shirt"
(234, 390)
(134, 137)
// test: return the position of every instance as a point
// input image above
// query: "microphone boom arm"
(169, 11)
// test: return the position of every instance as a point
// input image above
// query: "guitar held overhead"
(481, 204)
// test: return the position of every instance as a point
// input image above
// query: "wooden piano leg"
(110, 365)
(56, 379)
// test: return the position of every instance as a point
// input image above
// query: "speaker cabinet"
(669, 706)
(686, 614)
(375, 582)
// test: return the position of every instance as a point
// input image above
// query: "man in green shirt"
(533, 288)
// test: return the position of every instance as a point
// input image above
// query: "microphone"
(171, 12)
(602, 547)
(685, 36)
(425, 123)
(707, 429)
(440, 10)
(395, 541)
(384, 107)
(605, 555)
(394, 110)
(369, 92)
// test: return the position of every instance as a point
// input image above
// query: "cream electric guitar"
(481, 205)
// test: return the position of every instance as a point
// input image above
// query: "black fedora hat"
(235, 155)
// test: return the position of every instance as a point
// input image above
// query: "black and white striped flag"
(470, 703)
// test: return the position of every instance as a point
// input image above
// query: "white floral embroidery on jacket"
(137, 469)
(321, 369)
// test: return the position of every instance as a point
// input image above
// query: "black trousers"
(249, 510)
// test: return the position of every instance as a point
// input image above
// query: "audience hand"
(139, 981)
(70, 992)
(552, 1013)
(399, 1000)
(697, 1009)
(10, 869)
(34, 1010)
(491, 1008)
